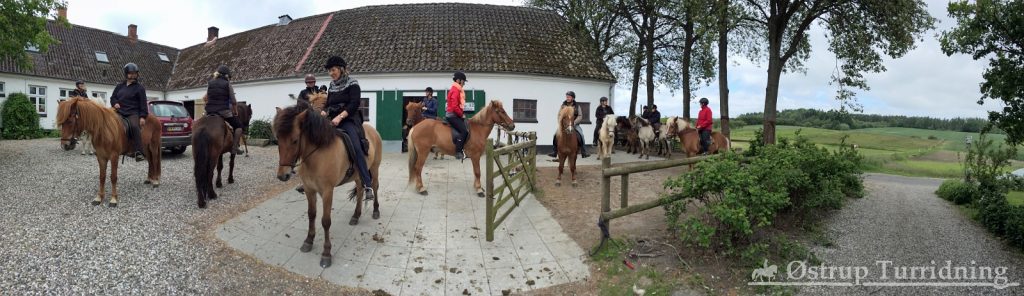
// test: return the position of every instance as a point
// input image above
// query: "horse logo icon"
(766, 271)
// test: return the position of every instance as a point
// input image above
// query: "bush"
(261, 129)
(790, 178)
(1015, 226)
(20, 119)
(957, 191)
(993, 212)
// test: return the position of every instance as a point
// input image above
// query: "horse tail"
(203, 161)
(412, 156)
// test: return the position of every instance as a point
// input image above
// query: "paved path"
(432, 245)
(901, 220)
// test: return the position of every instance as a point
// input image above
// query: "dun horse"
(307, 140)
(211, 138)
(435, 133)
(80, 114)
(645, 136)
(568, 144)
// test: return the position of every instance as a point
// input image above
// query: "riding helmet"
(223, 70)
(571, 94)
(653, 106)
(79, 82)
(604, 99)
(459, 75)
(130, 67)
(703, 101)
(335, 61)
(310, 78)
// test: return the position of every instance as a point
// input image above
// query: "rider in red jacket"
(454, 112)
(704, 125)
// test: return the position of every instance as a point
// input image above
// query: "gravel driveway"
(901, 220)
(155, 242)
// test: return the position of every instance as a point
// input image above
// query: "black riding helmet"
(79, 82)
(335, 61)
(223, 70)
(459, 75)
(703, 101)
(653, 106)
(571, 94)
(130, 67)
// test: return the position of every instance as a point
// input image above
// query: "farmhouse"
(525, 57)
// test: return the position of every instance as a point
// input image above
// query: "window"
(163, 57)
(37, 95)
(524, 110)
(101, 96)
(102, 57)
(585, 112)
(169, 110)
(64, 94)
(3, 90)
(364, 108)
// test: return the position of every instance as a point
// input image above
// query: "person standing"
(220, 99)
(704, 124)
(129, 100)
(570, 100)
(79, 90)
(455, 112)
(602, 110)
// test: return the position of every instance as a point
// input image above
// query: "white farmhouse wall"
(20, 84)
(548, 91)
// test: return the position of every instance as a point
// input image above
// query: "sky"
(925, 82)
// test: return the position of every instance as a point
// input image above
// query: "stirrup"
(368, 194)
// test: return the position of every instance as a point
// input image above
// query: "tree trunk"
(687, 59)
(650, 63)
(723, 63)
(637, 63)
(775, 65)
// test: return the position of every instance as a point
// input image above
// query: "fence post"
(532, 171)
(606, 186)
(491, 211)
(624, 195)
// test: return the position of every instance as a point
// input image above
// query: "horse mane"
(315, 128)
(563, 113)
(103, 121)
(318, 100)
(479, 119)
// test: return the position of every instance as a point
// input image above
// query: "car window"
(169, 110)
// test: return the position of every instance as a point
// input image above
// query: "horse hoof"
(156, 184)
(112, 205)
(219, 185)
(558, 183)
(480, 194)
(202, 205)
(376, 214)
(231, 181)
(95, 202)
(573, 183)
(423, 193)
(146, 182)
(353, 221)
(306, 247)
(325, 261)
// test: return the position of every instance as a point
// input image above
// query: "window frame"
(585, 112)
(524, 119)
(105, 57)
(364, 108)
(163, 57)
(38, 100)
(102, 96)
(31, 48)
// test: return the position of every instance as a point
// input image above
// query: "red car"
(177, 125)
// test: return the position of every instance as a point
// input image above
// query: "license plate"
(174, 128)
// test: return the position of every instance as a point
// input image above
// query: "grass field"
(901, 151)
(1016, 198)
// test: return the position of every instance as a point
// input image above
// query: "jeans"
(705, 140)
(352, 130)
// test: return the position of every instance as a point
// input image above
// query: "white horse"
(606, 137)
(645, 133)
(665, 141)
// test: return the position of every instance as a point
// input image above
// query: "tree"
(858, 32)
(23, 23)
(993, 29)
(651, 29)
(692, 48)
(596, 20)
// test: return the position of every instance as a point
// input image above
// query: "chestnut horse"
(435, 133)
(80, 114)
(568, 144)
(211, 138)
(689, 138)
(303, 135)
(414, 115)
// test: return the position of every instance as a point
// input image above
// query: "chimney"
(62, 12)
(133, 33)
(211, 34)
(284, 20)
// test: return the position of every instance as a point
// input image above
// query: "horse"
(606, 137)
(79, 114)
(645, 136)
(568, 144)
(244, 112)
(624, 132)
(414, 115)
(211, 138)
(303, 135)
(689, 138)
(665, 141)
(435, 133)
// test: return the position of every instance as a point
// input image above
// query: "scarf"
(342, 84)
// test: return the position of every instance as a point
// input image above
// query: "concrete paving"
(425, 245)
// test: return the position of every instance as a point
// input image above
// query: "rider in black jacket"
(129, 98)
(343, 99)
(221, 100)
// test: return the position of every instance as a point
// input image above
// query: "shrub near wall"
(261, 129)
(19, 118)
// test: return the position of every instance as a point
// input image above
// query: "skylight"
(102, 57)
(163, 57)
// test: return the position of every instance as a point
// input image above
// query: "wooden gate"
(509, 178)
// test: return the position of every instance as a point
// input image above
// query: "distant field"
(1016, 198)
(903, 151)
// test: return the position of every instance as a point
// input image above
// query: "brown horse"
(244, 112)
(689, 138)
(413, 116)
(211, 138)
(80, 114)
(435, 133)
(568, 144)
(303, 135)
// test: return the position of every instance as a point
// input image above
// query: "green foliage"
(1015, 226)
(993, 211)
(736, 200)
(23, 23)
(992, 29)
(957, 191)
(20, 119)
(986, 162)
(837, 120)
(261, 129)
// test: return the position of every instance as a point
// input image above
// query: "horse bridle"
(295, 162)
(74, 114)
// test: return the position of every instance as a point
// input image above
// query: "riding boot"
(554, 147)
(368, 194)
(238, 141)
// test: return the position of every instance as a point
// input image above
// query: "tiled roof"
(74, 57)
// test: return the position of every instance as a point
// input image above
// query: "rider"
(220, 99)
(456, 118)
(129, 99)
(654, 118)
(310, 88)
(430, 104)
(704, 125)
(343, 98)
(570, 100)
(79, 90)
(602, 111)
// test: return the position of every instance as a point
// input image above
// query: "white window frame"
(101, 96)
(163, 57)
(65, 93)
(3, 90)
(38, 100)
(105, 56)
(535, 118)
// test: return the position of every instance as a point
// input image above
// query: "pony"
(211, 138)
(645, 136)
(568, 144)
(665, 141)
(79, 114)
(689, 138)
(244, 113)
(606, 137)
(414, 115)
(307, 140)
(623, 132)
(435, 133)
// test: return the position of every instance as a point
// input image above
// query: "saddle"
(347, 141)
(455, 133)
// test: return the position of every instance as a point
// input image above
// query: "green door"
(389, 115)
